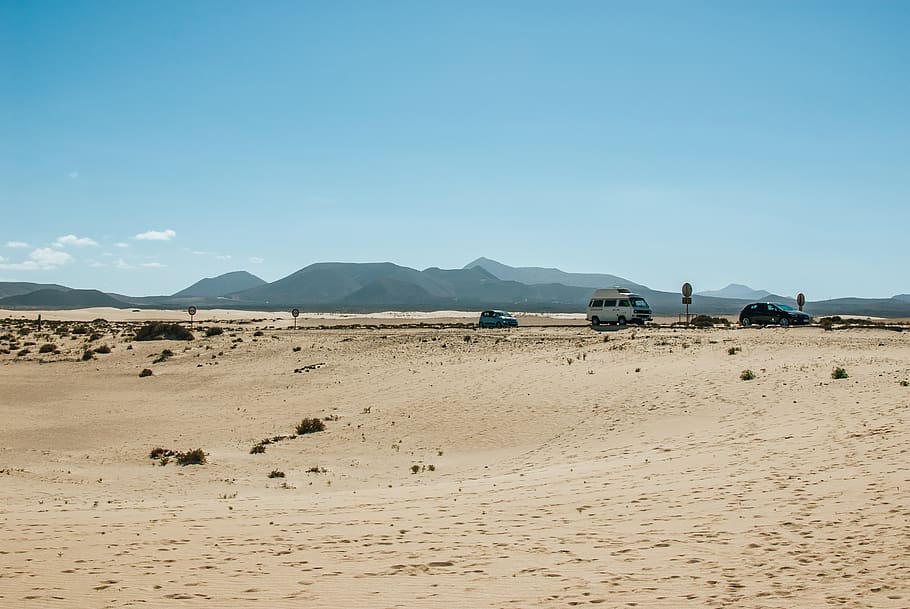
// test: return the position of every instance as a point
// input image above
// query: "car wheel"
(745, 322)
(498, 324)
(595, 321)
(784, 322)
(621, 321)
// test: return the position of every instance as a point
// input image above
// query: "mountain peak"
(213, 287)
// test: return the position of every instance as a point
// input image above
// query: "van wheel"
(621, 321)
(595, 321)
(784, 322)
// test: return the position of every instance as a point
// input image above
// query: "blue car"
(497, 319)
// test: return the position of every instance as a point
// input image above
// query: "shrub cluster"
(162, 331)
(310, 426)
(838, 373)
(191, 457)
(706, 321)
(747, 375)
(214, 331)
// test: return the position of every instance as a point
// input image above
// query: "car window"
(753, 307)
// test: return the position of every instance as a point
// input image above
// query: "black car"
(764, 313)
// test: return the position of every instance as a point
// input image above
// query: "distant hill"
(213, 287)
(532, 275)
(379, 286)
(61, 299)
(384, 286)
(737, 290)
(15, 288)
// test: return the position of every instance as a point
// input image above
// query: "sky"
(146, 145)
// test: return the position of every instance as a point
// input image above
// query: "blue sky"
(145, 145)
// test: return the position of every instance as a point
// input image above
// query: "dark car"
(765, 313)
(497, 319)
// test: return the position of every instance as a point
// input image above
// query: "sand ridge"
(555, 466)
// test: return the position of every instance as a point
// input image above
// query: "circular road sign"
(687, 289)
(191, 310)
(295, 312)
(800, 299)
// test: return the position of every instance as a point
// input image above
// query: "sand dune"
(537, 467)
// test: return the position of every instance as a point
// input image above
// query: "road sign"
(686, 300)
(295, 312)
(687, 289)
(191, 310)
(800, 300)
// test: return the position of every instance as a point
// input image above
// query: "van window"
(609, 303)
(639, 303)
(597, 303)
(624, 303)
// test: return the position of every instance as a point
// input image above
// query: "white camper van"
(617, 306)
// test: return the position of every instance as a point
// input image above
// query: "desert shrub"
(214, 331)
(23, 353)
(95, 336)
(257, 449)
(145, 372)
(733, 350)
(79, 330)
(415, 468)
(296, 349)
(48, 348)
(276, 474)
(904, 383)
(102, 349)
(838, 373)
(316, 470)
(310, 426)
(258, 333)
(158, 453)
(163, 357)
(162, 331)
(87, 355)
(191, 457)
(747, 375)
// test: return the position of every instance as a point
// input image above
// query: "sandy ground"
(536, 467)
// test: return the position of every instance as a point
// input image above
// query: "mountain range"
(383, 286)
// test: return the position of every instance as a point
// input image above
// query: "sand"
(547, 466)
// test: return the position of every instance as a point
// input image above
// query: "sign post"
(192, 311)
(800, 300)
(295, 313)
(687, 298)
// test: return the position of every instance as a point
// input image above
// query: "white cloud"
(96, 265)
(153, 265)
(121, 264)
(16, 244)
(256, 260)
(223, 257)
(74, 240)
(157, 235)
(48, 258)
(73, 175)
(121, 244)
(41, 259)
